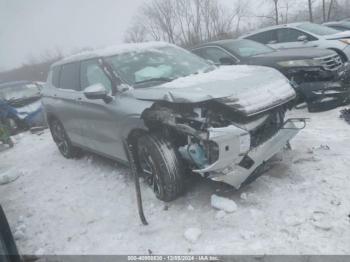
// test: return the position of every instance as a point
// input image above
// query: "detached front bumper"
(234, 167)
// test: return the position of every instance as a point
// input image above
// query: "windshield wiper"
(162, 79)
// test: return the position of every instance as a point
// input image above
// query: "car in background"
(317, 74)
(339, 25)
(20, 105)
(304, 34)
(173, 110)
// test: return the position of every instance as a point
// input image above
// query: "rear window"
(69, 77)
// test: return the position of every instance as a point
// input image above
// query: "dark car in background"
(318, 75)
(339, 25)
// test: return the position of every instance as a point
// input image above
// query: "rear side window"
(268, 37)
(56, 76)
(69, 77)
(291, 35)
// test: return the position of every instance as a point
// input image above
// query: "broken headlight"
(300, 63)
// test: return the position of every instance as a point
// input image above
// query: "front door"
(100, 119)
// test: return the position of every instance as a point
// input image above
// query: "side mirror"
(96, 91)
(227, 61)
(302, 38)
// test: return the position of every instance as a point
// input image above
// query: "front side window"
(317, 29)
(91, 73)
(69, 77)
(267, 37)
(215, 54)
(156, 64)
(247, 48)
(287, 35)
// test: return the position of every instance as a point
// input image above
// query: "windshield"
(21, 91)
(247, 48)
(318, 29)
(157, 64)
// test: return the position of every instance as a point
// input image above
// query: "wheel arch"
(340, 53)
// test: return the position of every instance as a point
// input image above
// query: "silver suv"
(177, 111)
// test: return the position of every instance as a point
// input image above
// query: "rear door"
(68, 98)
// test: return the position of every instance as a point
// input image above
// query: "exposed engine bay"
(211, 136)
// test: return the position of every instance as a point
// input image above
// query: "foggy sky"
(29, 28)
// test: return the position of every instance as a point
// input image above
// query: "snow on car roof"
(272, 27)
(112, 50)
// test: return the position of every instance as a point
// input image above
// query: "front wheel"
(62, 141)
(161, 166)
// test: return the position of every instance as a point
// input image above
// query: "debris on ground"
(8, 175)
(321, 220)
(223, 203)
(192, 234)
(220, 214)
(38, 130)
(345, 114)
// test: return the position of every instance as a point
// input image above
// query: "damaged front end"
(219, 142)
(323, 89)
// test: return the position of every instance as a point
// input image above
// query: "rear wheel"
(161, 167)
(62, 141)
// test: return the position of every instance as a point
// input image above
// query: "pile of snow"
(88, 205)
(224, 204)
(8, 175)
(192, 234)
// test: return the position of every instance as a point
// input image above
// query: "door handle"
(79, 99)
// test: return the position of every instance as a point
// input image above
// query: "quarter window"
(91, 73)
(69, 77)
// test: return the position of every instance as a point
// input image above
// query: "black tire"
(161, 166)
(62, 140)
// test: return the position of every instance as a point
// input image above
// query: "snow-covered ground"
(87, 206)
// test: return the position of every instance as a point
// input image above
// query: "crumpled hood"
(340, 35)
(247, 89)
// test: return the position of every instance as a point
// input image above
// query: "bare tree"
(275, 2)
(330, 9)
(185, 22)
(310, 11)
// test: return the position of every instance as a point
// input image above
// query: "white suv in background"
(305, 34)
